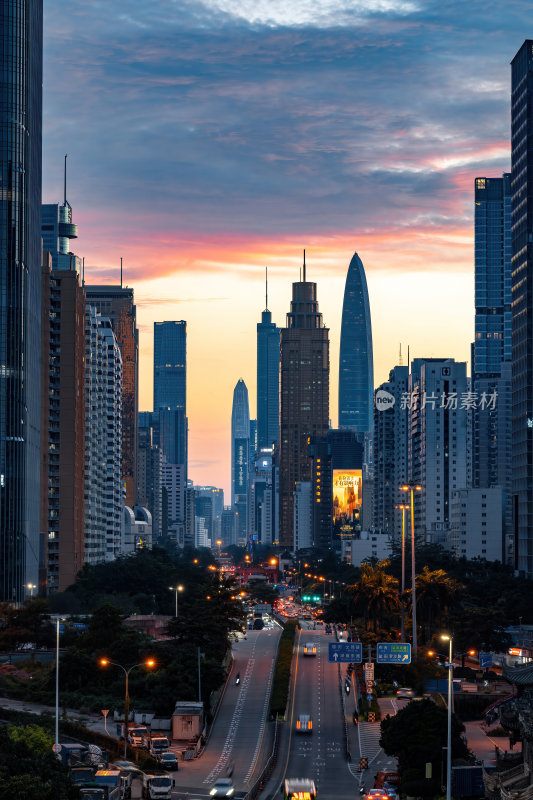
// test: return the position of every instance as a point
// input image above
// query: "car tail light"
(298, 724)
(310, 725)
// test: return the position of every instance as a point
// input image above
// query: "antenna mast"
(304, 265)
(121, 272)
(266, 288)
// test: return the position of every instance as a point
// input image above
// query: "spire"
(83, 272)
(400, 361)
(65, 201)
(304, 264)
(266, 288)
(121, 272)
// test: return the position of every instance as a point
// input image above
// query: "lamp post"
(219, 545)
(449, 639)
(412, 488)
(31, 587)
(104, 662)
(176, 589)
(404, 507)
(57, 686)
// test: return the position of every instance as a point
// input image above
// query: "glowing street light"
(449, 639)
(31, 587)
(176, 589)
(149, 663)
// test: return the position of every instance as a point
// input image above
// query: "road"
(322, 754)
(237, 735)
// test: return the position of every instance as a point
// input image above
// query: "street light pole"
(176, 589)
(449, 753)
(412, 488)
(404, 508)
(104, 662)
(57, 685)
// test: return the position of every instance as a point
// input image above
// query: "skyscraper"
(267, 380)
(304, 396)
(21, 24)
(356, 360)
(521, 303)
(170, 365)
(116, 303)
(240, 454)
(491, 352)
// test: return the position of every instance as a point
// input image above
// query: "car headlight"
(213, 792)
(229, 792)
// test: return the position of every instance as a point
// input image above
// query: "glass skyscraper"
(267, 381)
(170, 365)
(21, 56)
(521, 304)
(356, 362)
(240, 454)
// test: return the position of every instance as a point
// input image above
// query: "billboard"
(347, 494)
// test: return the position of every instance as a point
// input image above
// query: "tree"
(417, 734)
(435, 591)
(27, 774)
(38, 739)
(262, 591)
(375, 595)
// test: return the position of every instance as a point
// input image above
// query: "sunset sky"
(207, 140)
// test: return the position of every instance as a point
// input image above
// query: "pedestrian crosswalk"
(369, 735)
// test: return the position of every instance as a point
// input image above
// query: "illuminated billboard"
(347, 494)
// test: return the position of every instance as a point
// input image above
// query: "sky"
(209, 140)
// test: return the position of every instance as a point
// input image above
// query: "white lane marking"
(262, 725)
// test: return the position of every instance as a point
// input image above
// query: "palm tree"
(434, 593)
(375, 594)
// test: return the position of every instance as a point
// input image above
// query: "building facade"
(240, 456)
(304, 398)
(521, 304)
(57, 230)
(356, 360)
(21, 23)
(170, 365)
(268, 335)
(117, 304)
(476, 529)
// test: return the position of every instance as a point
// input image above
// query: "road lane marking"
(262, 728)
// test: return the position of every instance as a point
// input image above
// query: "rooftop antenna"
(408, 362)
(121, 272)
(65, 202)
(304, 265)
(400, 362)
(266, 288)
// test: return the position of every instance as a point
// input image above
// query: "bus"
(300, 789)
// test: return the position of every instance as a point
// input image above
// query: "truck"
(156, 745)
(386, 776)
(136, 733)
(113, 779)
(95, 791)
(157, 785)
(82, 774)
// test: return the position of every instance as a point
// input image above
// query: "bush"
(282, 675)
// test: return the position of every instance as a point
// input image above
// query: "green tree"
(435, 592)
(375, 595)
(38, 739)
(417, 734)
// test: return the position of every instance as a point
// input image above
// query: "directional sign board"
(393, 653)
(345, 652)
(485, 660)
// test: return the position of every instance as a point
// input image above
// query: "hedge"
(282, 675)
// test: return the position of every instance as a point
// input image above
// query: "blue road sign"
(345, 652)
(369, 697)
(485, 660)
(393, 653)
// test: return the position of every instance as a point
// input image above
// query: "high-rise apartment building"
(149, 473)
(491, 351)
(240, 456)
(356, 361)
(262, 500)
(66, 430)
(521, 303)
(267, 380)
(304, 413)
(104, 500)
(57, 230)
(116, 303)
(21, 24)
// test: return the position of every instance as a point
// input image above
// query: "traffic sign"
(56, 748)
(345, 652)
(363, 763)
(370, 687)
(485, 660)
(369, 671)
(369, 697)
(393, 653)
(371, 716)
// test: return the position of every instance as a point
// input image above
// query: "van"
(304, 724)
(310, 649)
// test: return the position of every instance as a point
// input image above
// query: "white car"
(222, 788)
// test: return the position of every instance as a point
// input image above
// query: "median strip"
(282, 675)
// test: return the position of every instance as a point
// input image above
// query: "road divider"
(282, 674)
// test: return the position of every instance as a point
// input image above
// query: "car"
(168, 761)
(223, 787)
(376, 794)
(127, 766)
(304, 724)
(405, 693)
(390, 790)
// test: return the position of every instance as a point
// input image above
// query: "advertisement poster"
(347, 494)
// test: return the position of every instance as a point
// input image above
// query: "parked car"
(168, 761)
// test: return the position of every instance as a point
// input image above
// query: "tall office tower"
(215, 498)
(304, 396)
(149, 473)
(491, 352)
(253, 441)
(170, 430)
(240, 453)
(174, 485)
(391, 435)
(57, 230)
(46, 273)
(170, 365)
(20, 299)
(228, 526)
(66, 430)
(356, 361)
(203, 507)
(521, 304)
(438, 441)
(104, 501)
(267, 379)
(189, 534)
(261, 505)
(116, 303)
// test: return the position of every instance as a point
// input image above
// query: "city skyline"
(321, 148)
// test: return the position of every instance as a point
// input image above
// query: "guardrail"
(267, 770)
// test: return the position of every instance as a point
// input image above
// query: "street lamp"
(31, 587)
(412, 487)
(449, 639)
(176, 589)
(404, 507)
(58, 620)
(219, 544)
(105, 662)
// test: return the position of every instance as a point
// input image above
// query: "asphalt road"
(237, 736)
(320, 755)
